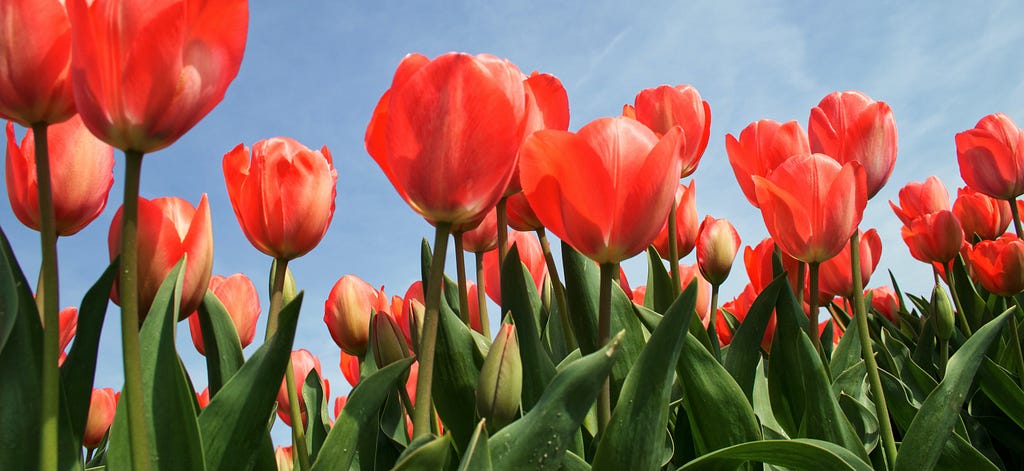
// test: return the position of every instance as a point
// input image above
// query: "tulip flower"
(691, 274)
(717, 244)
(35, 77)
(836, 273)
(144, 74)
(934, 237)
(851, 127)
(686, 223)
(68, 327)
(283, 195)
(991, 157)
(980, 214)
(762, 146)
(547, 107)
(665, 107)
(203, 398)
(885, 301)
(520, 215)
(604, 190)
(483, 237)
(407, 315)
(339, 404)
(302, 363)
(169, 228)
(238, 295)
(918, 199)
(101, 414)
(530, 253)
(349, 365)
(812, 205)
(81, 174)
(998, 265)
(285, 458)
(347, 312)
(758, 263)
(639, 294)
(739, 307)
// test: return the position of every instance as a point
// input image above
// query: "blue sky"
(314, 70)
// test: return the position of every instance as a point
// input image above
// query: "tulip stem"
(609, 273)
(298, 428)
(559, 289)
(1016, 217)
(961, 316)
(812, 301)
(867, 353)
(460, 267)
(502, 215)
(129, 294)
(673, 252)
(801, 272)
(481, 296)
(47, 298)
(712, 318)
(943, 357)
(428, 337)
(278, 272)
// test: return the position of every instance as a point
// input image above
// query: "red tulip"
(302, 363)
(760, 271)
(999, 264)
(169, 228)
(349, 365)
(918, 199)
(35, 78)
(81, 174)
(851, 127)
(530, 253)
(347, 312)
(447, 134)
(763, 145)
(547, 107)
(639, 294)
(739, 307)
(101, 414)
(811, 205)
(835, 275)
(339, 404)
(68, 327)
(980, 214)
(717, 244)
(484, 237)
(284, 457)
(686, 223)
(238, 295)
(283, 195)
(624, 284)
(203, 398)
(605, 190)
(145, 73)
(934, 237)
(886, 302)
(665, 107)
(991, 157)
(406, 317)
(689, 274)
(520, 215)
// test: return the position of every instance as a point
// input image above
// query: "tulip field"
(805, 367)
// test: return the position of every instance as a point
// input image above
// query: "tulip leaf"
(169, 401)
(362, 406)
(20, 362)
(800, 391)
(425, 452)
(659, 293)
(847, 353)
(318, 422)
(636, 432)
(934, 422)
(220, 341)
(799, 453)
(745, 349)
(540, 438)
(236, 418)
(1001, 388)
(477, 456)
(519, 296)
(457, 363)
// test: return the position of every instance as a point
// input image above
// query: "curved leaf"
(798, 453)
(519, 296)
(426, 452)
(745, 349)
(220, 341)
(477, 456)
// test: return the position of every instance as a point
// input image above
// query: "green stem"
(867, 353)
(801, 271)
(129, 294)
(712, 319)
(812, 300)
(481, 296)
(298, 428)
(943, 357)
(961, 316)
(278, 273)
(559, 289)
(428, 337)
(460, 267)
(47, 295)
(673, 251)
(609, 275)
(1016, 217)
(502, 216)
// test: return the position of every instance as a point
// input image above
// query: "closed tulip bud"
(717, 244)
(203, 398)
(101, 415)
(501, 380)
(417, 311)
(284, 458)
(238, 295)
(942, 313)
(347, 312)
(918, 199)
(302, 363)
(687, 223)
(388, 343)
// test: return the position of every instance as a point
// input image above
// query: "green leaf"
(519, 296)
(363, 404)
(318, 420)
(220, 341)
(803, 402)
(477, 456)
(426, 453)
(659, 294)
(799, 453)
(10, 277)
(539, 439)
(933, 424)
(236, 418)
(636, 432)
(1001, 388)
(745, 349)
(169, 401)
(847, 353)
(457, 362)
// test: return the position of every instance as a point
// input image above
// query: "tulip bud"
(501, 380)
(942, 313)
(387, 340)
(717, 244)
(416, 313)
(101, 415)
(347, 312)
(284, 458)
